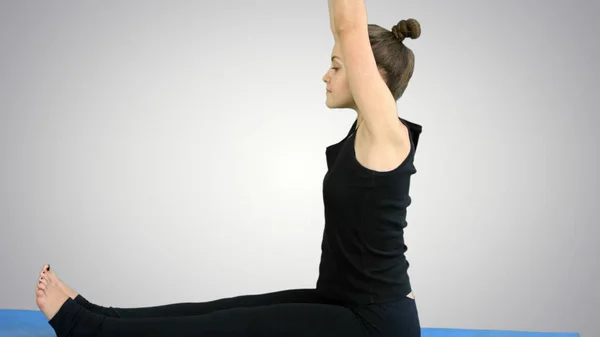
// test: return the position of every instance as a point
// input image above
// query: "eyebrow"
(335, 57)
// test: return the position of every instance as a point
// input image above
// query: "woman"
(363, 287)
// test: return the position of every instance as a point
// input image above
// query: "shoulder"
(382, 148)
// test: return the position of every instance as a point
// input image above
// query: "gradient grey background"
(158, 152)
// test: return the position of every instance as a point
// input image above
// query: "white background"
(162, 152)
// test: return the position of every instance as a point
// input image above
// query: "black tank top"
(363, 251)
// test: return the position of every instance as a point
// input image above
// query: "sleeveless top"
(363, 251)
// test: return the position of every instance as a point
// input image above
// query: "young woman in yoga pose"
(363, 288)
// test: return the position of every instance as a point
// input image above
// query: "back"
(362, 258)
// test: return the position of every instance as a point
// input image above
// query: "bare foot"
(65, 288)
(49, 296)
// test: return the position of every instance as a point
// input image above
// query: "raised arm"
(373, 98)
(331, 18)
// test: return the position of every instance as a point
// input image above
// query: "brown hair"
(395, 60)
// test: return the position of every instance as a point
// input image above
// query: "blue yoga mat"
(32, 323)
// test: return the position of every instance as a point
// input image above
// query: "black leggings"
(298, 312)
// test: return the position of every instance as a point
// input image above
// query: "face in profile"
(338, 90)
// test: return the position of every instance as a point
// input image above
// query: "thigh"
(277, 320)
(201, 308)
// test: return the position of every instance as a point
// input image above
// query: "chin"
(334, 105)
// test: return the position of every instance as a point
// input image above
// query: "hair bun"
(407, 28)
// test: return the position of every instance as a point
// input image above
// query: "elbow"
(342, 28)
(341, 31)
(349, 16)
